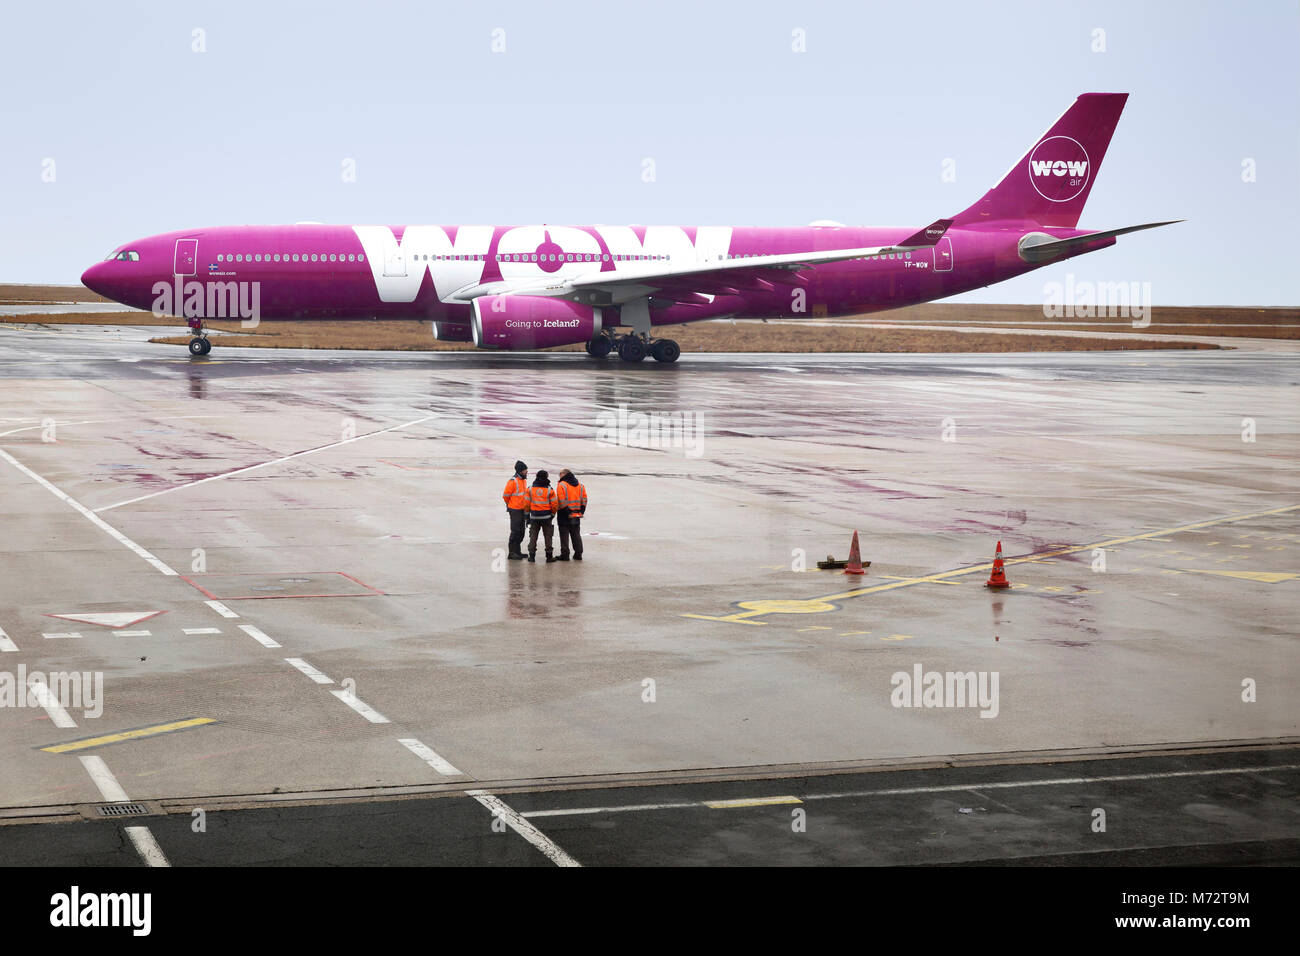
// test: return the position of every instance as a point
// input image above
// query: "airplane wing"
(635, 279)
(1033, 249)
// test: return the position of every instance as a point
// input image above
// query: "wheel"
(207, 346)
(631, 349)
(599, 348)
(665, 350)
(199, 346)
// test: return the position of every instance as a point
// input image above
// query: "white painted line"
(525, 829)
(89, 515)
(45, 697)
(257, 635)
(147, 846)
(201, 630)
(307, 669)
(267, 464)
(221, 609)
(134, 633)
(5, 643)
(360, 706)
(109, 618)
(63, 635)
(107, 783)
(907, 791)
(112, 791)
(428, 755)
(630, 808)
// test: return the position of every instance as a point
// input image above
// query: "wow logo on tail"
(1058, 168)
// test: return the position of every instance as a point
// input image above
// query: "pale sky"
(145, 135)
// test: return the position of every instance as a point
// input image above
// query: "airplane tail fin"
(1051, 182)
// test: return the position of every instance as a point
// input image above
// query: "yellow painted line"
(753, 802)
(824, 603)
(898, 637)
(128, 735)
(1265, 577)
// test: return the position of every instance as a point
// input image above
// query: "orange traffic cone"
(998, 579)
(855, 558)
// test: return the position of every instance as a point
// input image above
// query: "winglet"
(927, 236)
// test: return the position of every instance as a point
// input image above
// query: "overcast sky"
(141, 134)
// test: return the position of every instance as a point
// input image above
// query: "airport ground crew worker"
(516, 499)
(541, 514)
(571, 502)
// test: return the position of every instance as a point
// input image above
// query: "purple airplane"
(611, 287)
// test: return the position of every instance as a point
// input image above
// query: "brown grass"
(16, 294)
(698, 337)
(853, 334)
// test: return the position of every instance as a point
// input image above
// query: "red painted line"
(201, 588)
(354, 580)
(282, 597)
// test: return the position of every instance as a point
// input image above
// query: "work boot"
(562, 557)
(515, 556)
(549, 557)
(532, 556)
(577, 557)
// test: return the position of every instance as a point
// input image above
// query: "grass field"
(851, 334)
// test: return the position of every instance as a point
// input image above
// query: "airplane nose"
(95, 278)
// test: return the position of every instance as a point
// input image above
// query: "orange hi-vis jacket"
(573, 497)
(516, 494)
(541, 503)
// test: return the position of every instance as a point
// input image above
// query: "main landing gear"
(199, 345)
(634, 348)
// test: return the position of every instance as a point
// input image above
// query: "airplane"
(614, 288)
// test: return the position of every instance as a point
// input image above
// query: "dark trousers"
(570, 535)
(534, 527)
(518, 518)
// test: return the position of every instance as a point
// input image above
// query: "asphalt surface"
(286, 570)
(1232, 807)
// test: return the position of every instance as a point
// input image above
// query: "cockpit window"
(128, 256)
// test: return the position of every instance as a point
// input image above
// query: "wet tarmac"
(302, 554)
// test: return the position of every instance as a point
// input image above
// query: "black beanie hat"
(520, 466)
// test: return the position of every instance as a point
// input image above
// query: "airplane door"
(187, 253)
(395, 264)
(943, 255)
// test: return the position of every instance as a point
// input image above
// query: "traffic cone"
(998, 579)
(855, 558)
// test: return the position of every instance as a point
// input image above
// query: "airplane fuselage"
(415, 272)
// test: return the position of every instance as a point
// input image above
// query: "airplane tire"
(665, 350)
(599, 348)
(197, 346)
(632, 349)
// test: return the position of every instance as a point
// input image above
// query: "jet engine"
(531, 322)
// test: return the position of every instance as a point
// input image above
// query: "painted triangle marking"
(113, 619)
(1265, 577)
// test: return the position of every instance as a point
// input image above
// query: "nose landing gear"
(199, 344)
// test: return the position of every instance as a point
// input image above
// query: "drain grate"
(122, 809)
